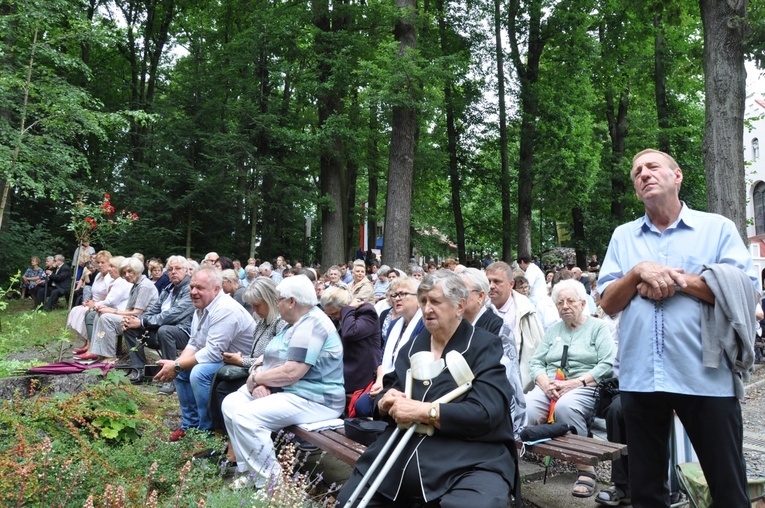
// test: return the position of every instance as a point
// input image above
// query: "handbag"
(605, 392)
(232, 372)
(364, 431)
(358, 393)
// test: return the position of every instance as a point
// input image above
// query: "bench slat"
(332, 442)
(603, 449)
(578, 449)
(548, 449)
(572, 448)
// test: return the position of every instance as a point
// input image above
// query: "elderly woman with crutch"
(448, 407)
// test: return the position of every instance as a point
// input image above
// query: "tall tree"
(451, 135)
(332, 165)
(527, 23)
(147, 35)
(725, 28)
(398, 209)
(507, 235)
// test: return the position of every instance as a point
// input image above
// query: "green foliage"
(24, 239)
(46, 118)
(222, 141)
(53, 452)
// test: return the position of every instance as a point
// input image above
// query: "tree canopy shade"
(231, 126)
(45, 111)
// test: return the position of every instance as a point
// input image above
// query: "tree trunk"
(616, 115)
(4, 199)
(451, 144)
(351, 176)
(398, 209)
(152, 21)
(660, 82)
(725, 28)
(253, 219)
(189, 228)
(373, 170)
(528, 75)
(331, 165)
(579, 240)
(507, 231)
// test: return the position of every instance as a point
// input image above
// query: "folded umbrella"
(559, 376)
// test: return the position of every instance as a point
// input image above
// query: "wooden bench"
(577, 449)
(333, 442)
(572, 448)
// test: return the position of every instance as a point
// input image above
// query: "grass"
(29, 337)
(107, 445)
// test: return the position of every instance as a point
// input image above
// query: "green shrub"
(23, 240)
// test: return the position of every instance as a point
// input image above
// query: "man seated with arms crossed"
(168, 322)
(220, 325)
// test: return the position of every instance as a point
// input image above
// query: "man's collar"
(684, 218)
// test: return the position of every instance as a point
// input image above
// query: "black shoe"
(305, 446)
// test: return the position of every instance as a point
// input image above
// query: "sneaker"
(166, 389)
(676, 500)
(243, 482)
(176, 435)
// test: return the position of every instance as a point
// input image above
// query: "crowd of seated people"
(371, 313)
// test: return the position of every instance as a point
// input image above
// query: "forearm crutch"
(462, 375)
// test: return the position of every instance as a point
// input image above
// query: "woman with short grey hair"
(415, 271)
(453, 287)
(300, 381)
(261, 296)
(229, 282)
(575, 354)
(108, 325)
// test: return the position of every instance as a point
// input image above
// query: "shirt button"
(426, 383)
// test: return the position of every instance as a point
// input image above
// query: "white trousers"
(76, 321)
(249, 423)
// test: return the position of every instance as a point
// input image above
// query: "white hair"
(574, 284)
(300, 288)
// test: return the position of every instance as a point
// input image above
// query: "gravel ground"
(753, 413)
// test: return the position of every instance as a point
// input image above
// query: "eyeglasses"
(401, 295)
(568, 301)
(518, 288)
(283, 298)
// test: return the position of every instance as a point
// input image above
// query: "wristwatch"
(584, 383)
(178, 367)
(433, 414)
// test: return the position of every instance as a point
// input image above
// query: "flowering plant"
(92, 220)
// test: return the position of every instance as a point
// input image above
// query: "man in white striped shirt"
(219, 325)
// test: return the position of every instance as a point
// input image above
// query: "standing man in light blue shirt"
(219, 325)
(652, 272)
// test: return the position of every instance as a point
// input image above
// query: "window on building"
(755, 149)
(759, 208)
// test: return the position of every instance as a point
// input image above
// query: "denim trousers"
(193, 388)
